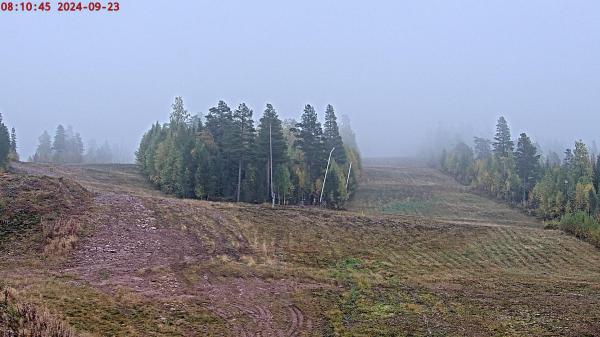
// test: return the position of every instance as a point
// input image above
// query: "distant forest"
(228, 158)
(67, 148)
(551, 188)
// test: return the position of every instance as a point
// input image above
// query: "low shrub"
(583, 226)
(25, 320)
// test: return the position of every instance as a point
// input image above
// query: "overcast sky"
(399, 69)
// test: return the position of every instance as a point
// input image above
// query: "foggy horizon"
(399, 71)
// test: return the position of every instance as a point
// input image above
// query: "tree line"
(8, 145)
(66, 147)
(224, 156)
(543, 185)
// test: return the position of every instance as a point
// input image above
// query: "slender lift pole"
(348, 179)
(271, 168)
(325, 179)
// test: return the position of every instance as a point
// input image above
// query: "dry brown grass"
(20, 319)
(42, 214)
(60, 236)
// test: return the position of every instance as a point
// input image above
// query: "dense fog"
(404, 72)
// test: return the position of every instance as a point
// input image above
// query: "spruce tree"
(59, 146)
(270, 129)
(13, 144)
(527, 162)
(332, 138)
(309, 138)
(568, 158)
(205, 178)
(77, 149)
(244, 133)
(503, 145)
(179, 115)
(335, 194)
(43, 154)
(219, 122)
(348, 135)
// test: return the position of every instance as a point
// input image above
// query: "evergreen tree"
(348, 135)
(482, 148)
(244, 134)
(270, 135)
(206, 176)
(310, 140)
(43, 154)
(179, 114)
(506, 180)
(503, 145)
(76, 149)
(59, 146)
(527, 162)
(5, 144)
(219, 122)
(335, 194)
(13, 145)
(331, 136)
(568, 158)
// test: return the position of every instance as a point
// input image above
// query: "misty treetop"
(229, 157)
(66, 147)
(542, 185)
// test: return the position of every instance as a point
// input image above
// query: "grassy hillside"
(409, 188)
(462, 266)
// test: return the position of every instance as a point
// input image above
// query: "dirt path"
(129, 248)
(127, 244)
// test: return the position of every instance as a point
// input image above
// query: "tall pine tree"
(43, 154)
(59, 146)
(244, 134)
(309, 138)
(503, 145)
(219, 122)
(332, 138)
(13, 145)
(527, 162)
(270, 133)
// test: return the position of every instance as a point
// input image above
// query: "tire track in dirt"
(257, 308)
